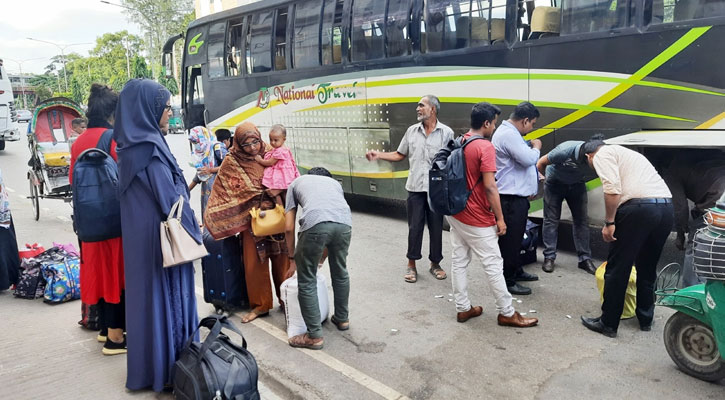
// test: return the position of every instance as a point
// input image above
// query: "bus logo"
(263, 100)
(195, 45)
(322, 93)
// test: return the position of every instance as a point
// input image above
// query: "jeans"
(515, 211)
(689, 277)
(483, 242)
(641, 231)
(420, 213)
(312, 243)
(576, 197)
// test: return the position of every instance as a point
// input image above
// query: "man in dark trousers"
(420, 144)
(517, 180)
(638, 219)
(565, 181)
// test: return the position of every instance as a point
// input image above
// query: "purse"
(267, 222)
(177, 245)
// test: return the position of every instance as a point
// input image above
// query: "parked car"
(24, 115)
(176, 122)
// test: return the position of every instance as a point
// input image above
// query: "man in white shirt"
(639, 218)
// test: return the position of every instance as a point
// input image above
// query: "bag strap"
(176, 208)
(463, 147)
(214, 323)
(104, 142)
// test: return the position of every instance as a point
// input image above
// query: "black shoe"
(646, 328)
(596, 325)
(519, 289)
(525, 277)
(588, 265)
(111, 348)
(548, 265)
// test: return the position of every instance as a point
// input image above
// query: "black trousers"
(641, 232)
(515, 210)
(112, 316)
(420, 214)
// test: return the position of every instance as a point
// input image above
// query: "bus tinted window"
(280, 40)
(397, 31)
(498, 21)
(332, 32)
(306, 34)
(234, 49)
(583, 16)
(479, 23)
(447, 24)
(666, 11)
(215, 51)
(259, 42)
(367, 29)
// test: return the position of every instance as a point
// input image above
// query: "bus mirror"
(168, 62)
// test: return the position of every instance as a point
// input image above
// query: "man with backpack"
(420, 144)
(476, 229)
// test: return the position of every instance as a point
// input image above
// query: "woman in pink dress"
(280, 168)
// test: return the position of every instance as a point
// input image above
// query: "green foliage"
(76, 91)
(170, 83)
(42, 93)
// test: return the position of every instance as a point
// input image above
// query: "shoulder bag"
(177, 245)
(267, 222)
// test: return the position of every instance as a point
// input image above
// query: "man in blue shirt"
(517, 180)
(565, 181)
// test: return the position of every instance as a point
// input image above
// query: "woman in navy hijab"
(160, 302)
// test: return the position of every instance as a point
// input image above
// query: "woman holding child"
(238, 188)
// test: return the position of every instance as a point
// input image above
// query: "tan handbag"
(177, 245)
(267, 222)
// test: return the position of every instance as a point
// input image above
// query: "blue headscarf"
(141, 104)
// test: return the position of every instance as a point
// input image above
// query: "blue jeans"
(576, 197)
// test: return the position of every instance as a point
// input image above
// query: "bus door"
(192, 86)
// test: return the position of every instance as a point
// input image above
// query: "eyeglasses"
(167, 108)
(252, 143)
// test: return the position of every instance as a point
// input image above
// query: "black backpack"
(96, 207)
(447, 185)
(216, 368)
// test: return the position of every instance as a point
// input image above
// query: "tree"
(42, 93)
(169, 83)
(76, 91)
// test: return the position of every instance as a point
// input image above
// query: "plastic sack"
(293, 314)
(630, 298)
(30, 251)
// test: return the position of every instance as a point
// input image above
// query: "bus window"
(666, 11)
(583, 16)
(397, 34)
(542, 21)
(234, 48)
(259, 56)
(332, 32)
(216, 49)
(368, 17)
(306, 34)
(479, 23)
(498, 21)
(280, 40)
(448, 24)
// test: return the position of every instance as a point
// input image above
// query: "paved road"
(403, 342)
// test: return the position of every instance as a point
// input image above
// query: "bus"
(344, 76)
(9, 125)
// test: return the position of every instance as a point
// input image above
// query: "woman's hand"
(258, 158)
(205, 170)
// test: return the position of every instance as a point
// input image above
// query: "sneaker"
(102, 335)
(112, 348)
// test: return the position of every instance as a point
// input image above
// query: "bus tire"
(2, 145)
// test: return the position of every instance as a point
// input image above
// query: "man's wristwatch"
(608, 223)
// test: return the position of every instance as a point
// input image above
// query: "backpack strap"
(104, 143)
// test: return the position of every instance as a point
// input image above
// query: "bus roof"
(241, 10)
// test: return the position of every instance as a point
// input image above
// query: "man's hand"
(608, 233)
(680, 241)
(501, 227)
(372, 155)
(291, 269)
(536, 143)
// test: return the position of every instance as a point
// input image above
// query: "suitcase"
(223, 274)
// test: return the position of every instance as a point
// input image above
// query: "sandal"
(341, 326)
(306, 342)
(411, 275)
(438, 272)
(254, 314)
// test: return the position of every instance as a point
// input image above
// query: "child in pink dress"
(280, 168)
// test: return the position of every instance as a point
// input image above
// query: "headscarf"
(4, 205)
(237, 187)
(202, 150)
(141, 105)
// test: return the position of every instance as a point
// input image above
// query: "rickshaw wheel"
(34, 199)
(693, 347)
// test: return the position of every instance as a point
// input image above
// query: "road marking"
(11, 190)
(62, 218)
(20, 196)
(355, 375)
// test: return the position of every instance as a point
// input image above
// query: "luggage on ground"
(30, 251)
(530, 241)
(95, 193)
(447, 184)
(630, 298)
(31, 284)
(293, 314)
(63, 280)
(223, 273)
(90, 318)
(217, 368)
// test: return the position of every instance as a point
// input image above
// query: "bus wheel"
(2, 145)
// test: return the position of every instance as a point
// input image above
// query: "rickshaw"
(176, 122)
(49, 136)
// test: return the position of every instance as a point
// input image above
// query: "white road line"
(62, 218)
(11, 190)
(22, 196)
(355, 375)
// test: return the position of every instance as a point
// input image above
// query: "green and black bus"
(344, 76)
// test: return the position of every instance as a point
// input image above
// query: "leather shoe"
(519, 289)
(548, 265)
(647, 327)
(524, 276)
(472, 313)
(588, 265)
(596, 325)
(517, 321)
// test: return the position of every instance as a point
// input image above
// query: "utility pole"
(62, 54)
(22, 77)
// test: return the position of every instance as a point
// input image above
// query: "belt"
(653, 200)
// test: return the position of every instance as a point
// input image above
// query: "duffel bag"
(217, 368)
(31, 284)
(63, 280)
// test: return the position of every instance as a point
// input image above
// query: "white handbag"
(177, 245)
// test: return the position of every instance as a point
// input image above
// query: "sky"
(59, 21)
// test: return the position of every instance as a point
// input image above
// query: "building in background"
(206, 7)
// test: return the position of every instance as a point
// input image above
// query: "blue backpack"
(96, 208)
(447, 185)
